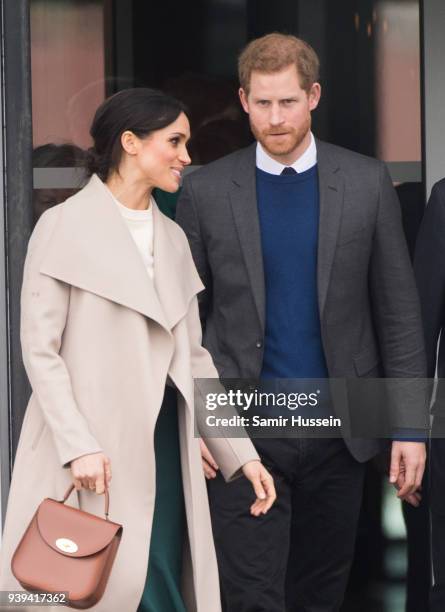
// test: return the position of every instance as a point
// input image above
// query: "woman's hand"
(91, 472)
(263, 486)
(209, 465)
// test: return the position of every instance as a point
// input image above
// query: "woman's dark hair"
(141, 111)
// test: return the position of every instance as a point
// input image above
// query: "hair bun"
(94, 163)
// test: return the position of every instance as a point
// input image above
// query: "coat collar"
(92, 249)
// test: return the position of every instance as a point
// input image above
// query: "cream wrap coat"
(99, 340)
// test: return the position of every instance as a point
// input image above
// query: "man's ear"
(243, 97)
(314, 96)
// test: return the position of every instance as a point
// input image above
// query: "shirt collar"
(304, 162)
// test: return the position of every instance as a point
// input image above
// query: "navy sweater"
(288, 208)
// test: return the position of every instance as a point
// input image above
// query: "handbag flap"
(72, 532)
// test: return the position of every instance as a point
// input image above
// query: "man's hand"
(406, 471)
(263, 486)
(209, 465)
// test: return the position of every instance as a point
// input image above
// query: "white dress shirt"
(306, 161)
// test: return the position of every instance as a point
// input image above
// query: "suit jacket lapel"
(245, 211)
(92, 249)
(331, 189)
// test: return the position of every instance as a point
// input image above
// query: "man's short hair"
(274, 52)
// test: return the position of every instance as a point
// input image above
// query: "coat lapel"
(331, 206)
(92, 249)
(176, 279)
(245, 211)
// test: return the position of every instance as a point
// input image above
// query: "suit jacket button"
(259, 344)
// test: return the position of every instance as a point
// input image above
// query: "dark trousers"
(297, 557)
(437, 506)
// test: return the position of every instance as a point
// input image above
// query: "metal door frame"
(15, 221)
(432, 46)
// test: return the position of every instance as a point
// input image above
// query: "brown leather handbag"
(67, 550)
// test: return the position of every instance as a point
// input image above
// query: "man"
(429, 266)
(300, 247)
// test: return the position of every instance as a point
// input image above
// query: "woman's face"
(162, 156)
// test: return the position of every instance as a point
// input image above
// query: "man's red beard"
(291, 141)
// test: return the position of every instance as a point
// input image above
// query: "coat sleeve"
(396, 312)
(230, 453)
(44, 310)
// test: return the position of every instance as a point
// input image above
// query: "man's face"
(280, 112)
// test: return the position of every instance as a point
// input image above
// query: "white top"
(140, 225)
(306, 161)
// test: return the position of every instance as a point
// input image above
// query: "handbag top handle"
(107, 499)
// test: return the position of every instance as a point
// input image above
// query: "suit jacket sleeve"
(230, 453)
(396, 313)
(187, 218)
(44, 309)
(429, 267)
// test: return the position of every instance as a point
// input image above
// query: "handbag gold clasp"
(66, 545)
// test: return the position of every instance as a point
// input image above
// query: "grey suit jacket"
(368, 303)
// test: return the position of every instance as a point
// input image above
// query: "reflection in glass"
(397, 74)
(67, 68)
(54, 156)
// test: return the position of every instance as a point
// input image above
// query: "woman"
(109, 315)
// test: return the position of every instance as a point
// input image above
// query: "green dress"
(162, 591)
